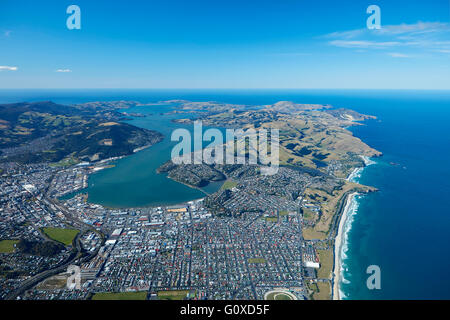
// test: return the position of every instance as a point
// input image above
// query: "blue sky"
(225, 44)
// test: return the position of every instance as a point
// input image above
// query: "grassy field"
(66, 162)
(172, 294)
(324, 292)
(312, 286)
(326, 264)
(141, 295)
(256, 260)
(229, 184)
(7, 246)
(308, 214)
(310, 233)
(65, 236)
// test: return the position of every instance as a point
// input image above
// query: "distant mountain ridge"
(49, 132)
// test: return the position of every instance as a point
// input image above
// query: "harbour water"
(133, 180)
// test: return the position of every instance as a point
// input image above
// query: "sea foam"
(344, 271)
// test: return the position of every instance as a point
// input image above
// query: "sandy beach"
(340, 233)
(354, 174)
(337, 247)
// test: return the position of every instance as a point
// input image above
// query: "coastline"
(338, 246)
(338, 242)
(187, 185)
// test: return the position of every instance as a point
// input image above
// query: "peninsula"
(258, 237)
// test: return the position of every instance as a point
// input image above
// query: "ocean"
(404, 228)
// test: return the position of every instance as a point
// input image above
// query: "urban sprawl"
(163, 251)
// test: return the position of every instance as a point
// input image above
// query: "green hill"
(49, 132)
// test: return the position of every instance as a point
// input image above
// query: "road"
(76, 257)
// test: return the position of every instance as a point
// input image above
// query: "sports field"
(65, 236)
(7, 246)
(279, 295)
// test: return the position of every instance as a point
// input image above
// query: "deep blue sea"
(405, 227)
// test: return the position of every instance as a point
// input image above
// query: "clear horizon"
(234, 89)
